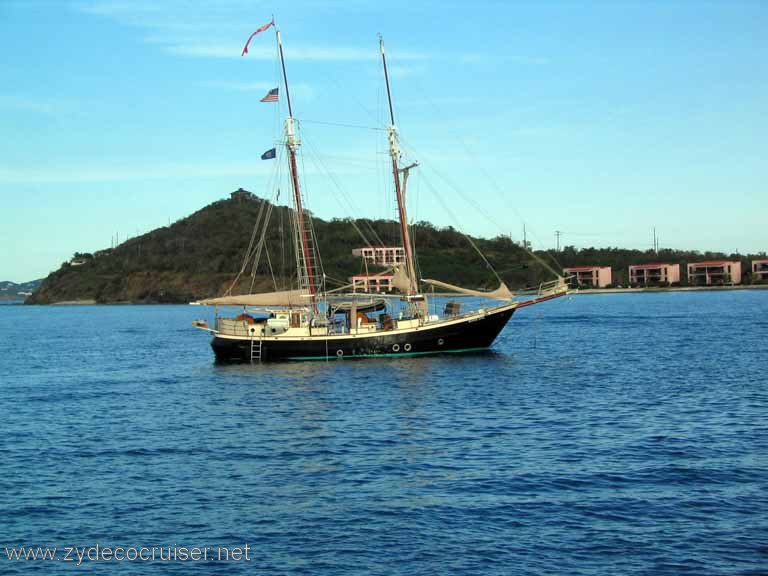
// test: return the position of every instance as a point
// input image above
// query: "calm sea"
(610, 434)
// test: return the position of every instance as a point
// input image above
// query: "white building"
(381, 255)
(372, 283)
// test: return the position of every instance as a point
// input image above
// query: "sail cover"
(373, 305)
(501, 293)
(401, 280)
(283, 298)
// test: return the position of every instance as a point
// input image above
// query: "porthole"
(395, 347)
(440, 341)
(339, 353)
(407, 347)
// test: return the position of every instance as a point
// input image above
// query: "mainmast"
(292, 143)
(394, 153)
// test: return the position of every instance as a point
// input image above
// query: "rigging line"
(482, 211)
(416, 203)
(271, 270)
(314, 157)
(493, 183)
(344, 90)
(314, 248)
(342, 125)
(466, 236)
(281, 239)
(339, 282)
(260, 245)
(384, 182)
(247, 256)
(469, 151)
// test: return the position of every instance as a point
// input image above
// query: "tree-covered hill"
(199, 256)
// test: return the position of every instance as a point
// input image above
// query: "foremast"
(306, 266)
(394, 152)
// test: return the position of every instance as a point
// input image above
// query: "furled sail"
(400, 280)
(282, 298)
(501, 293)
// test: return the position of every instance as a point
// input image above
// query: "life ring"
(440, 341)
(407, 347)
(339, 352)
(395, 347)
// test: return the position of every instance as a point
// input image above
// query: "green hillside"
(199, 256)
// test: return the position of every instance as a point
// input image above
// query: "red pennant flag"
(267, 25)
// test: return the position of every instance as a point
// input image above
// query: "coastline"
(585, 291)
(670, 289)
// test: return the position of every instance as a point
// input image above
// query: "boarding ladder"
(256, 350)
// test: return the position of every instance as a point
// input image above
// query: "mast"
(394, 153)
(292, 143)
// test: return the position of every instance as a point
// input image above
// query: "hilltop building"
(659, 274)
(381, 255)
(760, 270)
(242, 194)
(714, 273)
(372, 283)
(590, 276)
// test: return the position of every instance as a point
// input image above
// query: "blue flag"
(269, 154)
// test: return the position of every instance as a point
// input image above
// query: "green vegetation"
(199, 256)
(619, 259)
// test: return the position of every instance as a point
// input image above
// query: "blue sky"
(599, 119)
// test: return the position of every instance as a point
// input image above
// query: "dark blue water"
(621, 434)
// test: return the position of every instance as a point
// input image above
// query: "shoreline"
(588, 291)
(574, 292)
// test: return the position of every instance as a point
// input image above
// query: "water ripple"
(603, 435)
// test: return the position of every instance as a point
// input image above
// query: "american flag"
(271, 96)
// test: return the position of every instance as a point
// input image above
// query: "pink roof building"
(760, 270)
(714, 273)
(381, 255)
(659, 274)
(590, 276)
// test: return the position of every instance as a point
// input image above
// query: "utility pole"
(525, 238)
(655, 241)
(557, 239)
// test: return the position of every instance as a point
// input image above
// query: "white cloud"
(300, 90)
(178, 27)
(95, 174)
(86, 174)
(292, 53)
(238, 86)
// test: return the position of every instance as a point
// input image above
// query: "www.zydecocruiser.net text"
(99, 553)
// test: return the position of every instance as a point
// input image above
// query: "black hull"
(471, 334)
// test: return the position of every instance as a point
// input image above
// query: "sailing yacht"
(312, 322)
